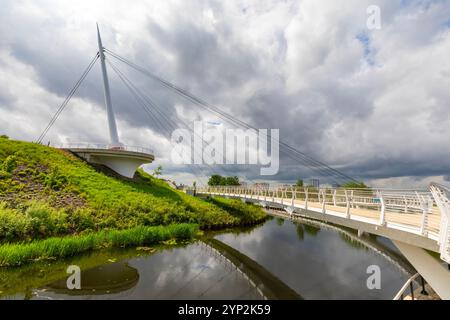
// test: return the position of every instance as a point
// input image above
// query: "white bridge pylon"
(419, 219)
(120, 158)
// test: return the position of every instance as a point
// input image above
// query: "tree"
(158, 171)
(355, 185)
(215, 180)
(232, 181)
(299, 183)
(218, 180)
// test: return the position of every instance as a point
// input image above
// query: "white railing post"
(293, 197)
(383, 209)
(324, 200)
(334, 197)
(406, 203)
(424, 203)
(306, 198)
(347, 201)
(351, 198)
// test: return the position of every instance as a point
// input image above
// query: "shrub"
(46, 221)
(81, 219)
(55, 180)
(9, 164)
(4, 174)
(13, 224)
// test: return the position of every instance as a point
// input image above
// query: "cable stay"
(145, 101)
(292, 152)
(166, 125)
(69, 96)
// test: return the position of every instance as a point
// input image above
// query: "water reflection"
(268, 285)
(191, 272)
(320, 262)
(105, 279)
(279, 259)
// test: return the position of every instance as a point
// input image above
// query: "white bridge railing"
(102, 146)
(441, 195)
(420, 212)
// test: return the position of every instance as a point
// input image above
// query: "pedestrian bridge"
(412, 219)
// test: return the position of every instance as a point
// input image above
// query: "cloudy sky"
(373, 103)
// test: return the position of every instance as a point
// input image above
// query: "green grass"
(245, 212)
(45, 192)
(54, 248)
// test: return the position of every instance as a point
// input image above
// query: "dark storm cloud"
(270, 78)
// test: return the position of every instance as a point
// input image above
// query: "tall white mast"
(109, 109)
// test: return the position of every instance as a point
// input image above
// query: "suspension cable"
(167, 128)
(140, 96)
(291, 151)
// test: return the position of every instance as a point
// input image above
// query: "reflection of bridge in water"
(363, 240)
(267, 285)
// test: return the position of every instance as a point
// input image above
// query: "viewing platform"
(124, 160)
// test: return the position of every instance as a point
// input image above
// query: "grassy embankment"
(52, 204)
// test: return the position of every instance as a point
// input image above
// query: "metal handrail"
(413, 201)
(409, 284)
(102, 146)
(441, 187)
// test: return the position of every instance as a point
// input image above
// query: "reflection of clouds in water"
(190, 272)
(322, 265)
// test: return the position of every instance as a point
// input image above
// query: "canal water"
(279, 259)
